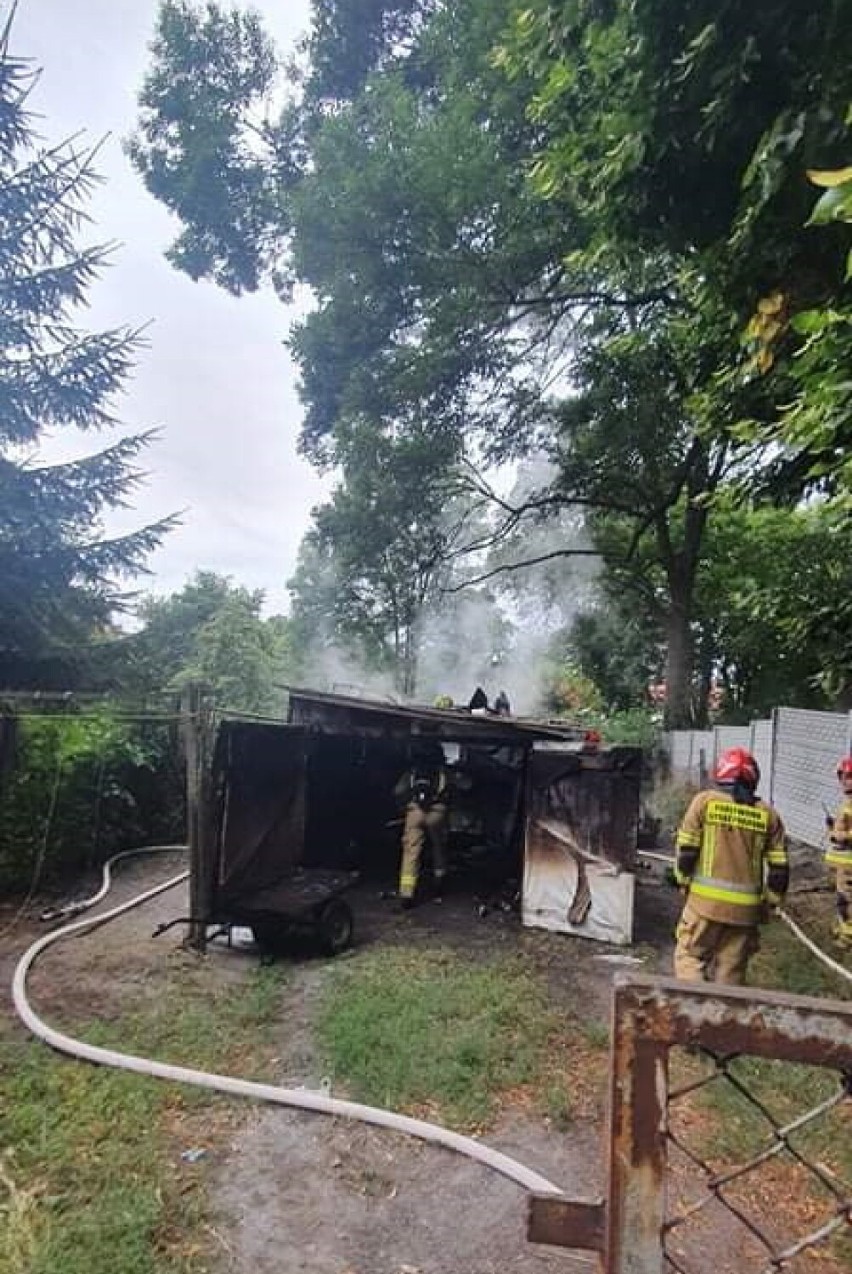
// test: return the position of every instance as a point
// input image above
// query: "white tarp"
(560, 883)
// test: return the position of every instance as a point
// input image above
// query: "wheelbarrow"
(307, 901)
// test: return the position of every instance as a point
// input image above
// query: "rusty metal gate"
(755, 1180)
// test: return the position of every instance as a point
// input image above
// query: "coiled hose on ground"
(303, 1099)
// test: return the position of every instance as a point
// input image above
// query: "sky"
(215, 377)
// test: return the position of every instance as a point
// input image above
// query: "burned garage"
(539, 813)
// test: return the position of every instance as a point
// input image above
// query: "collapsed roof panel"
(344, 714)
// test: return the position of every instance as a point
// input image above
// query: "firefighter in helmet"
(424, 789)
(839, 855)
(732, 863)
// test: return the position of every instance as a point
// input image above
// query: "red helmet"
(844, 768)
(736, 765)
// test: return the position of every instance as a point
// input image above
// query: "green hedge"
(78, 788)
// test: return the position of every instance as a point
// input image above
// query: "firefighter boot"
(842, 933)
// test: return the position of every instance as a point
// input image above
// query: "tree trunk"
(409, 674)
(407, 663)
(679, 666)
(681, 568)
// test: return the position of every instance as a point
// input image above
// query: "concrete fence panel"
(730, 736)
(760, 746)
(808, 746)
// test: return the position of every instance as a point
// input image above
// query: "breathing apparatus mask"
(422, 790)
(425, 775)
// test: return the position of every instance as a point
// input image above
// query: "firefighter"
(839, 855)
(425, 790)
(732, 863)
(502, 706)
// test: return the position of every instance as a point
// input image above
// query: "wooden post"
(196, 724)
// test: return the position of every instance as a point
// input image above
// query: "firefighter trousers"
(843, 905)
(709, 951)
(418, 823)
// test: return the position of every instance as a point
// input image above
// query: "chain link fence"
(764, 1171)
(729, 1141)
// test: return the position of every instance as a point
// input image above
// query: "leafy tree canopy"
(207, 147)
(685, 134)
(382, 548)
(689, 127)
(212, 631)
(772, 604)
(538, 228)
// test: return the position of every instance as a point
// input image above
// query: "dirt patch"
(337, 1196)
(340, 1197)
(95, 974)
(780, 1199)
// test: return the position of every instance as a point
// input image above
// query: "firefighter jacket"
(423, 787)
(839, 852)
(732, 857)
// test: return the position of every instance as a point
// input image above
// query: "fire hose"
(826, 959)
(299, 1098)
(303, 1099)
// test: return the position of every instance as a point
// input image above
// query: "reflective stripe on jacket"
(725, 850)
(839, 852)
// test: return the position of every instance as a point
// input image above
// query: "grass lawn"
(91, 1175)
(91, 1179)
(438, 1034)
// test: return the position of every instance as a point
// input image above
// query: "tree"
(682, 134)
(815, 424)
(212, 72)
(59, 575)
(630, 446)
(110, 783)
(212, 631)
(569, 692)
(440, 294)
(618, 653)
(459, 284)
(688, 128)
(381, 550)
(359, 211)
(211, 145)
(771, 609)
(350, 39)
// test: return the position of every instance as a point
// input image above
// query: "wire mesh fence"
(729, 1138)
(760, 1155)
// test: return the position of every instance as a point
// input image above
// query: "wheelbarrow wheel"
(335, 926)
